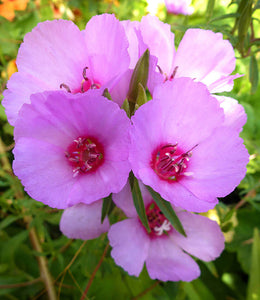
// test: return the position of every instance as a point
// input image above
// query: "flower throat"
(169, 162)
(84, 155)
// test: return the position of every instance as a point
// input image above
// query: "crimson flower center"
(169, 162)
(85, 155)
(158, 223)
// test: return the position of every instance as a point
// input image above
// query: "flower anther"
(86, 84)
(85, 155)
(169, 162)
(166, 77)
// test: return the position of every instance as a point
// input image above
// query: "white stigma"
(166, 226)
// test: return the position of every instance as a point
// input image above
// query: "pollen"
(85, 155)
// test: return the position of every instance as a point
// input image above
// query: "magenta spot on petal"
(86, 84)
(158, 223)
(85, 155)
(169, 161)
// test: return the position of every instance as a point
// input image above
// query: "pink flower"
(83, 221)
(179, 7)
(56, 54)
(164, 250)
(182, 145)
(202, 54)
(71, 149)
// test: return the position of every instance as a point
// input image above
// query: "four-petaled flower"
(182, 147)
(164, 250)
(71, 148)
(56, 54)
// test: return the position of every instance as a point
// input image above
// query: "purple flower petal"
(204, 237)
(224, 84)
(235, 116)
(83, 221)
(181, 99)
(160, 40)
(106, 45)
(136, 44)
(179, 7)
(163, 249)
(184, 117)
(218, 165)
(130, 245)
(43, 54)
(45, 132)
(167, 262)
(56, 54)
(204, 56)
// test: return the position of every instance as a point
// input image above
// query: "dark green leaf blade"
(141, 95)
(254, 279)
(253, 74)
(107, 94)
(107, 207)
(210, 9)
(167, 210)
(140, 75)
(139, 204)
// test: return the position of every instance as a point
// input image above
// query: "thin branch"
(72, 261)
(146, 291)
(42, 262)
(65, 270)
(94, 272)
(60, 285)
(20, 284)
(243, 201)
(75, 281)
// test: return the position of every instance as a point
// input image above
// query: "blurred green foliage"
(72, 264)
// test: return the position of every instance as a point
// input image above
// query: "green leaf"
(9, 248)
(257, 5)
(107, 207)
(139, 204)
(227, 227)
(141, 95)
(167, 210)
(254, 276)
(248, 219)
(125, 107)
(233, 15)
(8, 221)
(197, 290)
(253, 74)
(228, 215)
(245, 7)
(210, 8)
(107, 94)
(140, 75)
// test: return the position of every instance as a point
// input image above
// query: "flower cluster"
(77, 139)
